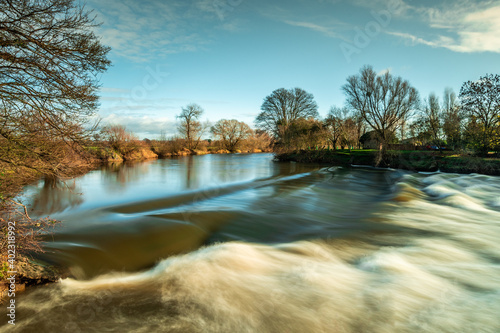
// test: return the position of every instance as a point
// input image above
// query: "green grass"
(408, 160)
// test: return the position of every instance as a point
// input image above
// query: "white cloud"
(461, 26)
(481, 32)
(384, 71)
(143, 126)
(464, 26)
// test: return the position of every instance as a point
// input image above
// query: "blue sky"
(227, 55)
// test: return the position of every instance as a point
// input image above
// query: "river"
(239, 243)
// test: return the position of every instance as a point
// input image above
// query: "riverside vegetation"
(427, 161)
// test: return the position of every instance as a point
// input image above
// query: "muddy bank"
(28, 272)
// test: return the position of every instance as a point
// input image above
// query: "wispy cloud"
(320, 23)
(114, 90)
(143, 30)
(397, 8)
(326, 30)
(464, 26)
(412, 38)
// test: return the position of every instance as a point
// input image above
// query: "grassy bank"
(408, 160)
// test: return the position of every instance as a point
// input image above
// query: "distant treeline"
(115, 144)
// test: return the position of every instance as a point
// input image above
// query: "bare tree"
(119, 139)
(343, 127)
(350, 132)
(382, 100)
(432, 118)
(333, 124)
(50, 59)
(191, 127)
(283, 107)
(360, 127)
(258, 141)
(481, 100)
(403, 126)
(450, 101)
(452, 118)
(231, 132)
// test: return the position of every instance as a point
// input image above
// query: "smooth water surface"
(239, 243)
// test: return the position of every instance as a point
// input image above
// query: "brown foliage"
(166, 148)
(49, 61)
(231, 133)
(120, 140)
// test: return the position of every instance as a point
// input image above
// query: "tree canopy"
(481, 101)
(284, 106)
(231, 132)
(384, 101)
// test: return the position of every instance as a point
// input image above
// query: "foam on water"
(238, 287)
(441, 276)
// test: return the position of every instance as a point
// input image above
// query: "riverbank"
(109, 155)
(29, 273)
(427, 161)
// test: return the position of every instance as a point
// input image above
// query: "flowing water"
(239, 243)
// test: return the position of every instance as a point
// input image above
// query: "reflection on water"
(56, 196)
(276, 248)
(116, 177)
(131, 182)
